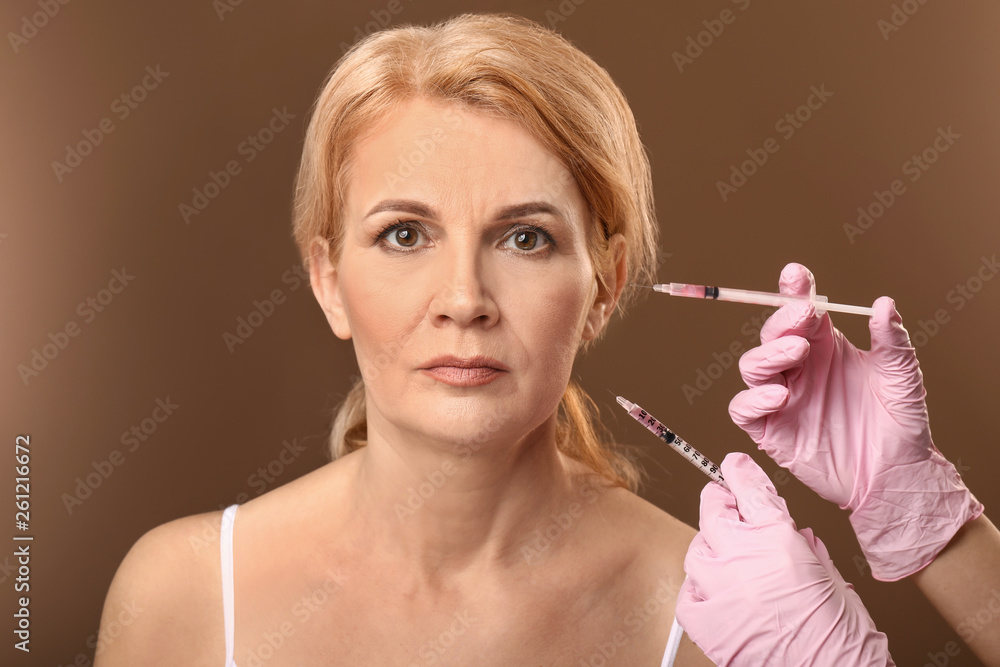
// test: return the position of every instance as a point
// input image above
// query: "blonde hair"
(512, 68)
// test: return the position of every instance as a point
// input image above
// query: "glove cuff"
(910, 514)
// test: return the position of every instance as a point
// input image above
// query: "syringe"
(694, 457)
(750, 296)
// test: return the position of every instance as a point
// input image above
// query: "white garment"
(226, 547)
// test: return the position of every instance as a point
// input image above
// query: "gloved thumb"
(757, 500)
(893, 356)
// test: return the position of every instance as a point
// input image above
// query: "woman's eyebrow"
(404, 205)
(531, 208)
(506, 213)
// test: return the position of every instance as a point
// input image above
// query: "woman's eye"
(526, 240)
(405, 236)
(402, 236)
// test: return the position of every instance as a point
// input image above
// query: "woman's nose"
(462, 295)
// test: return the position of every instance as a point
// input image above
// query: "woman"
(471, 199)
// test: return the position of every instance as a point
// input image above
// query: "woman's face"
(464, 277)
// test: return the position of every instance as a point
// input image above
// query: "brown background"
(162, 336)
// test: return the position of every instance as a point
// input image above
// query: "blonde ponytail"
(350, 425)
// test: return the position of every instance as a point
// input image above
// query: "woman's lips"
(463, 377)
(459, 372)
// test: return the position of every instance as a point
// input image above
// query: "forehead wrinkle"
(541, 176)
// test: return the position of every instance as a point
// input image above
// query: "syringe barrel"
(761, 298)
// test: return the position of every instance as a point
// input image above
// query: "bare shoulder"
(661, 542)
(164, 605)
(659, 534)
(668, 543)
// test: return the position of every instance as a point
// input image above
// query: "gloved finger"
(816, 545)
(797, 318)
(693, 610)
(697, 563)
(757, 500)
(894, 357)
(797, 279)
(711, 573)
(717, 514)
(766, 363)
(687, 595)
(823, 556)
(750, 407)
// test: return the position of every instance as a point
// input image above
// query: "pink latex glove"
(852, 425)
(760, 592)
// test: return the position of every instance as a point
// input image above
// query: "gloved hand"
(852, 425)
(760, 592)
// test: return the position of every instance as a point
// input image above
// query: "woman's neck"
(452, 508)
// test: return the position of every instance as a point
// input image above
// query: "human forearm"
(963, 584)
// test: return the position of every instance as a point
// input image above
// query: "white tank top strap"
(226, 547)
(673, 641)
